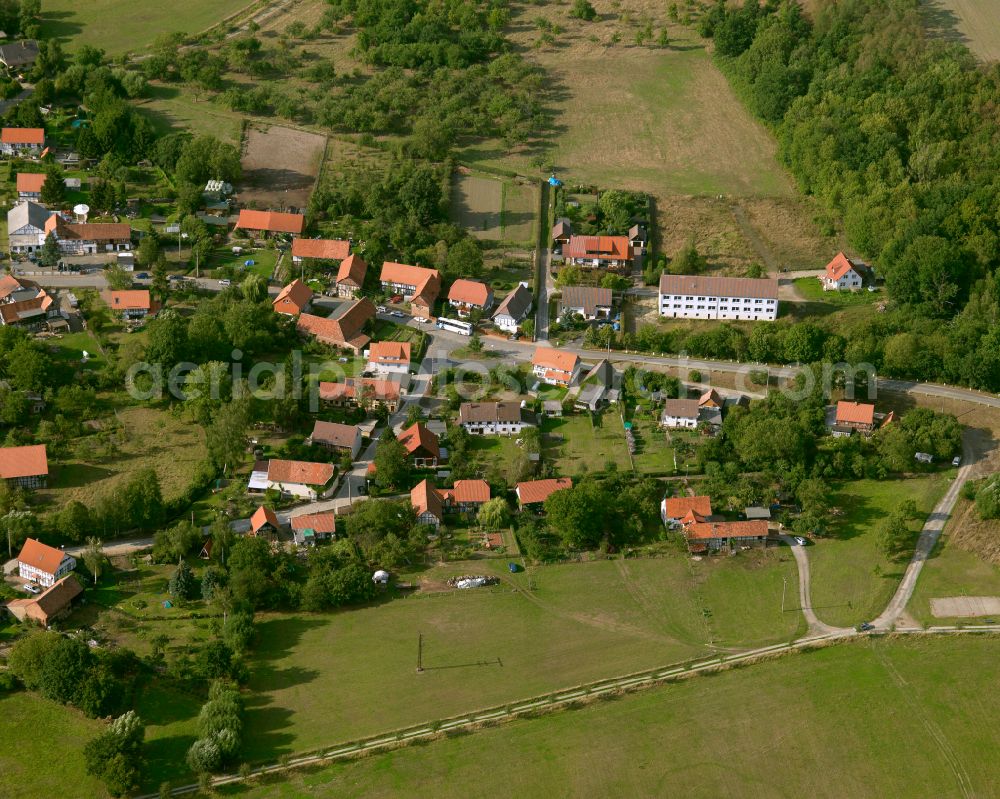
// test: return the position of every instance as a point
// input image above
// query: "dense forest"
(896, 134)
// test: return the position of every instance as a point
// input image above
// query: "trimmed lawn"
(845, 587)
(584, 446)
(812, 290)
(43, 755)
(316, 678)
(232, 264)
(913, 718)
(171, 719)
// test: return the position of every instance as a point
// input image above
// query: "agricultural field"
(550, 627)
(851, 579)
(913, 717)
(974, 23)
(280, 166)
(494, 208)
(148, 437)
(119, 27)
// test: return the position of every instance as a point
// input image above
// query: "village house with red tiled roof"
(24, 467)
(417, 285)
(29, 185)
(389, 357)
(430, 504)
(427, 503)
(843, 273)
(467, 496)
(308, 528)
(851, 416)
(27, 141)
(351, 276)
(366, 392)
(675, 510)
(421, 445)
(606, 252)
(555, 366)
(131, 304)
(294, 299)
(42, 564)
(470, 295)
(305, 479)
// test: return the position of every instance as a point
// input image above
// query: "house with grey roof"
(599, 387)
(514, 309)
(19, 54)
(26, 227)
(591, 302)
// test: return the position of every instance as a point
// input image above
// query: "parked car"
(31, 588)
(800, 541)
(398, 314)
(865, 626)
(956, 461)
(142, 276)
(380, 308)
(419, 319)
(342, 360)
(225, 282)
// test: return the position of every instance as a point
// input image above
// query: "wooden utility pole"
(784, 582)
(420, 651)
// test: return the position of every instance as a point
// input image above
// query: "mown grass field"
(318, 679)
(118, 26)
(912, 718)
(43, 751)
(494, 208)
(846, 589)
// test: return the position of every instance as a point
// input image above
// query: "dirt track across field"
(280, 166)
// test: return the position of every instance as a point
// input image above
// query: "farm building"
(590, 302)
(131, 304)
(535, 492)
(292, 478)
(261, 224)
(22, 141)
(264, 523)
(680, 413)
(715, 536)
(53, 602)
(344, 331)
(678, 510)
(605, 252)
(311, 527)
(29, 185)
(320, 250)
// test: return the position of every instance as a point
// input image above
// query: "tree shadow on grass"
(863, 516)
(60, 25)
(277, 637)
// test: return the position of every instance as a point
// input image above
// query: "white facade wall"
(494, 428)
(44, 578)
(849, 280)
(678, 421)
(705, 307)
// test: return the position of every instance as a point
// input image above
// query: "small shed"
(552, 408)
(757, 512)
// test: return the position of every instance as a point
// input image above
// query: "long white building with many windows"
(740, 298)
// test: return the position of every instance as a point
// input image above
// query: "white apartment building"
(737, 298)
